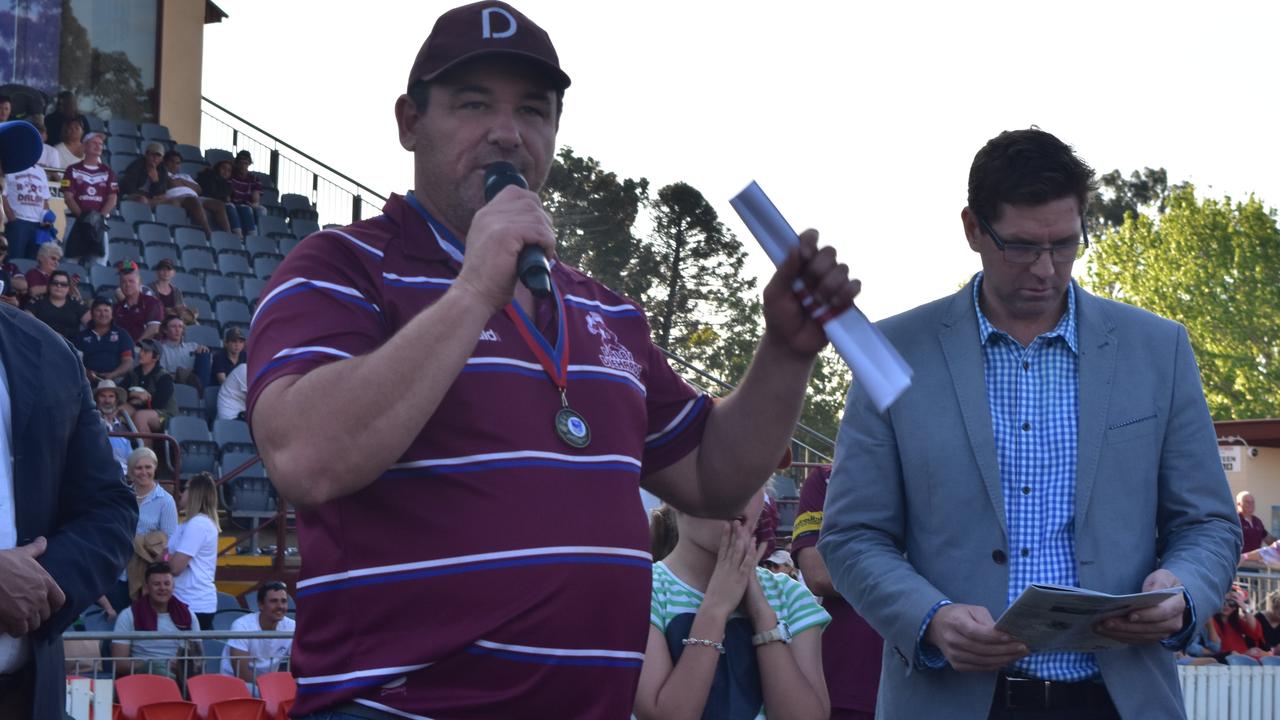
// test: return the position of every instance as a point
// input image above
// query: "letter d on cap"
(487, 30)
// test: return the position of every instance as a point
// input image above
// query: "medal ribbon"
(554, 360)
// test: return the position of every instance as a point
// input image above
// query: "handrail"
(279, 519)
(282, 143)
(163, 437)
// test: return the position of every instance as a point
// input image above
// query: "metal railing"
(1258, 582)
(337, 197)
(279, 519)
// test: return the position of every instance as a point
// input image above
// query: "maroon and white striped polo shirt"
(494, 571)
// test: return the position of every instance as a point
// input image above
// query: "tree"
(700, 306)
(1214, 266)
(1116, 195)
(594, 214)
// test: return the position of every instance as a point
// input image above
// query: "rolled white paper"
(875, 362)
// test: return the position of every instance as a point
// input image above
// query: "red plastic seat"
(276, 688)
(239, 709)
(167, 710)
(206, 690)
(136, 691)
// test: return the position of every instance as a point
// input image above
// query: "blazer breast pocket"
(1133, 426)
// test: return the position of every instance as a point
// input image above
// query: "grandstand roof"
(1264, 432)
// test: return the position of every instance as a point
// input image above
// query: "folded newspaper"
(1061, 619)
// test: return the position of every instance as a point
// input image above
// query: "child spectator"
(231, 355)
(170, 297)
(91, 192)
(26, 199)
(728, 638)
(187, 362)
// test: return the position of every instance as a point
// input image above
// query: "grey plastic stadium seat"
(253, 288)
(201, 306)
(271, 225)
(264, 267)
(120, 126)
(120, 144)
(298, 206)
(197, 260)
(118, 227)
(154, 233)
(188, 399)
(264, 179)
(154, 131)
(190, 154)
(171, 215)
(199, 453)
(135, 212)
(207, 337)
(120, 161)
(287, 244)
(260, 245)
(189, 237)
(188, 283)
(156, 252)
(232, 312)
(223, 618)
(224, 241)
(303, 227)
(95, 124)
(785, 486)
(191, 168)
(124, 249)
(220, 287)
(234, 264)
(233, 436)
(103, 275)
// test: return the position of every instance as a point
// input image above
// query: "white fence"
(1230, 692)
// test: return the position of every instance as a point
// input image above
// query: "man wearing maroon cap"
(465, 457)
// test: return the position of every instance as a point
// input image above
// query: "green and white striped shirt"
(789, 599)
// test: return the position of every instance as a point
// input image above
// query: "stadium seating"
(171, 215)
(135, 212)
(223, 241)
(222, 697)
(253, 288)
(119, 228)
(227, 601)
(188, 283)
(155, 131)
(103, 276)
(213, 655)
(187, 237)
(303, 227)
(124, 249)
(264, 267)
(234, 264)
(153, 254)
(298, 205)
(222, 287)
(277, 689)
(153, 233)
(190, 154)
(198, 260)
(232, 312)
(191, 168)
(203, 309)
(159, 694)
(74, 269)
(233, 436)
(121, 127)
(95, 124)
(199, 453)
(260, 245)
(287, 244)
(118, 144)
(207, 337)
(270, 226)
(223, 618)
(119, 162)
(189, 400)
(211, 403)
(215, 155)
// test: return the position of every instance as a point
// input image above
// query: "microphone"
(532, 266)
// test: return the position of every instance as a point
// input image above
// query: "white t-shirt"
(267, 654)
(232, 394)
(27, 192)
(163, 649)
(198, 538)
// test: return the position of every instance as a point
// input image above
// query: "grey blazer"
(915, 511)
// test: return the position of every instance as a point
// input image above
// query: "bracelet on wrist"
(704, 643)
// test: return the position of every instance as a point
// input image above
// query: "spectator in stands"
(193, 549)
(47, 259)
(60, 308)
(1255, 531)
(50, 158)
(170, 297)
(112, 403)
(709, 577)
(851, 649)
(1269, 620)
(229, 356)
(779, 562)
(71, 150)
(183, 185)
(138, 313)
(157, 522)
(26, 200)
(1235, 629)
(156, 609)
(106, 348)
(147, 180)
(232, 394)
(246, 193)
(67, 108)
(187, 362)
(247, 658)
(90, 189)
(6, 108)
(151, 389)
(13, 285)
(215, 183)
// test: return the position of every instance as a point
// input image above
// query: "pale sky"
(859, 119)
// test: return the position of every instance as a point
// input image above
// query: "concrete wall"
(180, 63)
(1260, 476)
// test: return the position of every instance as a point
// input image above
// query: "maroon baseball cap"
(483, 28)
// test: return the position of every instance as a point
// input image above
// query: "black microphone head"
(500, 174)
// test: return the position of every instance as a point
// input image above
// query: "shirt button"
(1026, 365)
(998, 556)
(1026, 489)
(1025, 552)
(1026, 426)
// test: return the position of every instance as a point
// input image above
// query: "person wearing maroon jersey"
(91, 192)
(851, 649)
(420, 408)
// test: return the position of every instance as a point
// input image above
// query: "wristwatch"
(781, 632)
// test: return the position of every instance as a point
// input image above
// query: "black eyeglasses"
(59, 284)
(1025, 254)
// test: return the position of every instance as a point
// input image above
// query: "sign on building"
(1232, 457)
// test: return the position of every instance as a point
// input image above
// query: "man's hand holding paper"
(1152, 624)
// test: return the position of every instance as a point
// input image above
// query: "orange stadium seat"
(222, 697)
(277, 689)
(158, 695)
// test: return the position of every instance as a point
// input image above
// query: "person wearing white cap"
(66, 520)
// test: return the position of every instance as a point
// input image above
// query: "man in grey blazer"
(1050, 436)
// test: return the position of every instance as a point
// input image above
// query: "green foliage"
(1116, 195)
(594, 213)
(1213, 265)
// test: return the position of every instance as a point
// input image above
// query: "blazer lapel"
(1098, 345)
(959, 339)
(23, 357)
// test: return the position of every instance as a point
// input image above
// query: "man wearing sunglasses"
(1050, 436)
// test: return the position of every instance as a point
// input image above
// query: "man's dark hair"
(171, 153)
(5, 98)
(160, 568)
(1026, 167)
(98, 302)
(421, 89)
(268, 587)
(60, 273)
